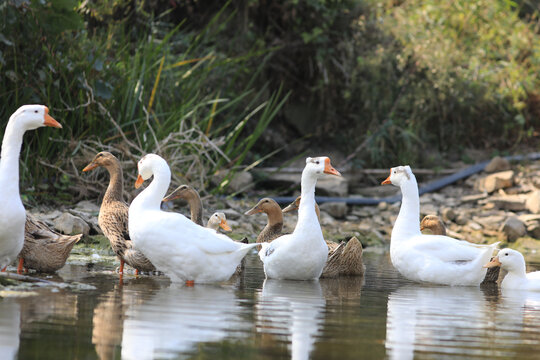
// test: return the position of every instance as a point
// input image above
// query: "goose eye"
(506, 254)
(317, 162)
(36, 111)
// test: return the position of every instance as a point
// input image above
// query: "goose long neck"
(9, 157)
(115, 190)
(408, 220)
(195, 207)
(151, 196)
(306, 210)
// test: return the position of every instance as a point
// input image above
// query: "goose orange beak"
(223, 224)
(493, 263)
(49, 120)
(328, 169)
(387, 181)
(90, 166)
(139, 182)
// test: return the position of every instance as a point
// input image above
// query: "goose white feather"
(302, 254)
(431, 258)
(177, 246)
(12, 213)
(516, 278)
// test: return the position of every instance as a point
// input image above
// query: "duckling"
(193, 199)
(113, 215)
(218, 220)
(44, 249)
(436, 226)
(513, 262)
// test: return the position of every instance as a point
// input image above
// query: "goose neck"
(408, 220)
(150, 198)
(9, 156)
(306, 211)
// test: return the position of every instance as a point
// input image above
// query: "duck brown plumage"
(44, 249)
(193, 199)
(113, 215)
(274, 226)
(436, 226)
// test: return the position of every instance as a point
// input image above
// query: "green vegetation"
(201, 82)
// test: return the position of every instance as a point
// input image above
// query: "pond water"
(380, 315)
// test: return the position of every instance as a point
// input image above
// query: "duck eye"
(36, 111)
(506, 254)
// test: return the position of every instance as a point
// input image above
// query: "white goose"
(12, 213)
(432, 258)
(513, 262)
(302, 254)
(176, 245)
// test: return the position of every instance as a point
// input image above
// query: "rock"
(533, 229)
(240, 181)
(87, 207)
(337, 210)
(533, 202)
(493, 182)
(462, 219)
(513, 228)
(509, 202)
(71, 225)
(490, 222)
(332, 186)
(497, 164)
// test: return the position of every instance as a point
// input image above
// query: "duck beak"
(139, 182)
(49, 120)
(422, 227)
(291, 207)
(328, 169)
(494, 262)
(90, 166)
(387, 181)
(253, 210)
(172, 196)
(223, 224)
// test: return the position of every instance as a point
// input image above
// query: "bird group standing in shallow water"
(147, 238)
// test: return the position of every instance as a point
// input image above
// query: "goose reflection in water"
(292, 311)
(10, 328)
(176, 319)
(441, 320)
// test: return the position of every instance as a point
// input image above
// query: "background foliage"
(214, 86)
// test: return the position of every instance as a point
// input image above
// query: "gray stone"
(332, 186)
(509, 202)
(87, 207)
(513, 228)
(240, 181)
(497, 164)
(71, 225)
(493, 182)
(337, 210)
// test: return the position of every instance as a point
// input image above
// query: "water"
(378, 316)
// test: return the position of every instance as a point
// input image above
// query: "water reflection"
(10, 328)
(443, 320)
(175, 319)
(292, 311)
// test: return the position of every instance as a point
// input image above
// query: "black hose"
(429, 187)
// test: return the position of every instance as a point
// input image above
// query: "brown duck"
(113, 215)
(44, 249)
(193, 199)
(343, 258)
(435, 225)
